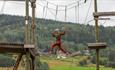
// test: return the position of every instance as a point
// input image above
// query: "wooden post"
(26, 21)
(33, 66)
(97, 59)
(33, 5)
(96, 23)
(96, 34)
(26, 32)
(17, 62)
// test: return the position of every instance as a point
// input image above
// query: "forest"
(76, 38)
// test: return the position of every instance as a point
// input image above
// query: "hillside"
(76, 38)
(12, 29)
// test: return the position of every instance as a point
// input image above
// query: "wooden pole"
(96, 22)
(33, 5)
(26, 21)
(27, 33)
(18, 62)
(97, 34)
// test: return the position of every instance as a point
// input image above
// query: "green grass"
(69, 64)
(77, 68)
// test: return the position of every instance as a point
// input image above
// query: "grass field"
(65, 64)
(69, 64)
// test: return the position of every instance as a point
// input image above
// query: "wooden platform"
(97, 14)
(14, 47)
(97, 45)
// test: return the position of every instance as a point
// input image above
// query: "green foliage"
(41, 65)
(103, 61)
(13, 30)
(111, 64)
(83, 62)
(77, 35)
(6, 61)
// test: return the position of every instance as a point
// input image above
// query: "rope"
(68, 6)
(88, 11)
(51, 12)
(87, 15)
(46, 10)
(3, 6)
(78, 12)
(65, 13)
(63, 5)
(75, 13)
(43, 12)
(76, 5)
(56, 12)
(85, 1)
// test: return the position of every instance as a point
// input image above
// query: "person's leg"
(59, 45)
(51, 48)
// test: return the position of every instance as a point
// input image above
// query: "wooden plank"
(101, 18)
(97, 45)
(12, 50)
(97, 14)
(29, 46)
(15, 47)
(12, 45)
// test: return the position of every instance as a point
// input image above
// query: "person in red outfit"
(58, 35)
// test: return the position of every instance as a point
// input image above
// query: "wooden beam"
(29, 46)
(11, 50)
(97, 14)
(18, 62)
(101, 18)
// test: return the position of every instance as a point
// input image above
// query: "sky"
(84, 15)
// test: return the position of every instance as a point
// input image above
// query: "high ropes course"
(29, 49)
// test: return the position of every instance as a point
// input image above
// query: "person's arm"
(63, 33)
(53, 34)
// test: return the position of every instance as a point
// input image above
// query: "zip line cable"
(46, 8)
(76, 5)
(88, 11)
(68, 6)
(55, 9)
(62, 5)
(87, 15)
